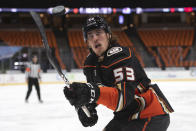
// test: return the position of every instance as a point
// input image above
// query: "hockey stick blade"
(54, 63)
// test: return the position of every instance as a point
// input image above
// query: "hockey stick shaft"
(54, 63)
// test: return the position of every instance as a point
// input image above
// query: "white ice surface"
(55, 114)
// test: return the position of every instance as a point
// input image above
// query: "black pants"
(31, 82)
(157, 123)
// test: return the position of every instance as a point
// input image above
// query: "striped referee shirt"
(33, 70)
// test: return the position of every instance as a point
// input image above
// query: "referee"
(32, 76)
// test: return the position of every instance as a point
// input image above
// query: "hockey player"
(32, 77)
(116, 80)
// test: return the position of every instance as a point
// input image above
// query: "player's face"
(35, 59)
(98, 41)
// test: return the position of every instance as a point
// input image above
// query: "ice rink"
(55, 114)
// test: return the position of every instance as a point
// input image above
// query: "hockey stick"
(54, 63)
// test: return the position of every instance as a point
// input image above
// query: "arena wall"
(54, 78)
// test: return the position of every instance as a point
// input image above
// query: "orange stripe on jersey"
(142, 86)
(108, 97)
(28, 69)
(118, 61)
(146, 123)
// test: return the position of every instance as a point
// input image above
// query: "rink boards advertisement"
(50, 78)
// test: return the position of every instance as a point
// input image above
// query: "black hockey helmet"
(95, 22)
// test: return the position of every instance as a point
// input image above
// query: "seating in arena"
(80, 48)
(171, 46)
(125, 41)
(30, 38)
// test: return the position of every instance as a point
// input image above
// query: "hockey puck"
(58, 10)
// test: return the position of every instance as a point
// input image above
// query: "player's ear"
(108, 36)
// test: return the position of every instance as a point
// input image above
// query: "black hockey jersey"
(125, 87)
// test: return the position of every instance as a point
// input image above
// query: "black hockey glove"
(84, 119)
(80, 94)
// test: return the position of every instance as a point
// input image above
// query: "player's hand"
(80, 94)
(69, 94)
(84, 119)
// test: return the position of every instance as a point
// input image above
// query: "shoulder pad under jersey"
(118, 51)
(117, 54)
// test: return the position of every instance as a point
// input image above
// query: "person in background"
(33, 77)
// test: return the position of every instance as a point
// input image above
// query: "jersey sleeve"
(89, 69)
(88, 72)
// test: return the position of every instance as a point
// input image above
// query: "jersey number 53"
(126, 73)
